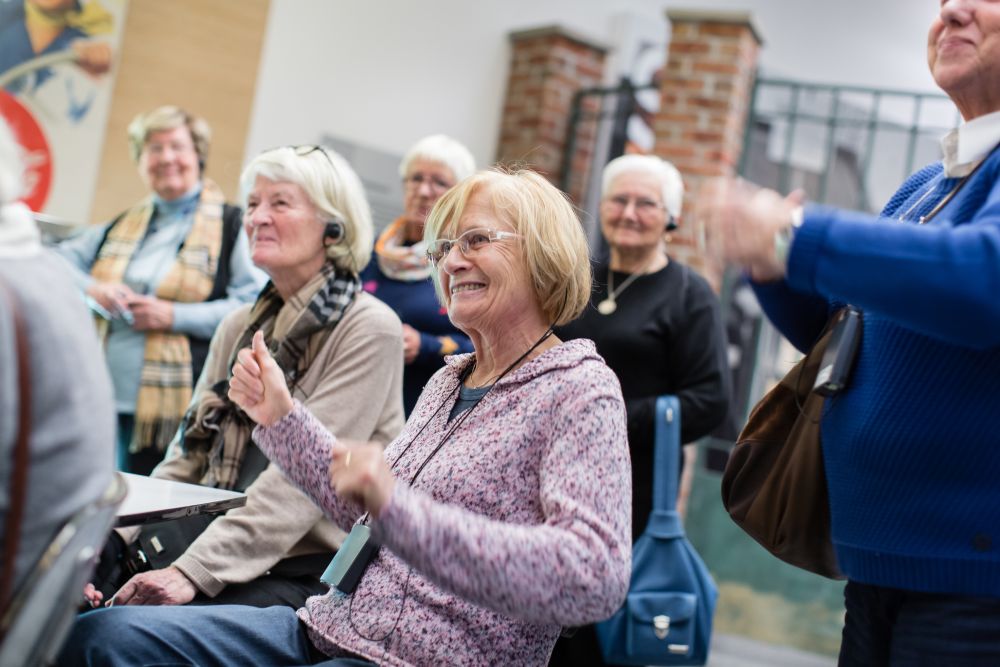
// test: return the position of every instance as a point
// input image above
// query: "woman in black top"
(658, 325)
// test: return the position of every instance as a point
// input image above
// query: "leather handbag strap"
(19, 471)
(666, 456)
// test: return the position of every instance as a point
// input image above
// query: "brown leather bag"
(774, 485)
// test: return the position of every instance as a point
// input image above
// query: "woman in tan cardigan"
(340, 349)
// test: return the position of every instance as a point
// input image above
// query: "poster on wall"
(56, 77)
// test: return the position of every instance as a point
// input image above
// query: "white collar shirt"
(967, 145)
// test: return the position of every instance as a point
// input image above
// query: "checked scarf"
(166, 381)
(215, 425)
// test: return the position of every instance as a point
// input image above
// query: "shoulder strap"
(107, 230)
(19, 471)
(666, 455)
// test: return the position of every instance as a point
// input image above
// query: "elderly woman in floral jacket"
(501, 513)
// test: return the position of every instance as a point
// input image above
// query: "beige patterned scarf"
(165, 385)
(216, 425)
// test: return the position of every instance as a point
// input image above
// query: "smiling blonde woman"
(500, 513)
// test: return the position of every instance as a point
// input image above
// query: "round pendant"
(607, 307)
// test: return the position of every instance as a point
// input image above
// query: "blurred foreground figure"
(72, 429)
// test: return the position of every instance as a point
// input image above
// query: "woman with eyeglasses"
(400, 274)
(657, 323)
(309, 228)
(159, 278)
(500, 513)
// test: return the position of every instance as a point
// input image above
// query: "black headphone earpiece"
(334, 232)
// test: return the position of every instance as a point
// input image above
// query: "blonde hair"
(334, 189)
(168, 118)
(555, 247)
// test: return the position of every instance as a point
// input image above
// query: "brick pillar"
(705, 99)
(547, 67)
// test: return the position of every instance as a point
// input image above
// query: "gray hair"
(444, 150)
(334, 189)
(671, 183)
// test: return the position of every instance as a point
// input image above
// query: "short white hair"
(11, 166)
(671, 183)
(443, 150)
(334, 189)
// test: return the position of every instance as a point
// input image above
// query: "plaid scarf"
(165, 384)
(399, 261)
(216, 425)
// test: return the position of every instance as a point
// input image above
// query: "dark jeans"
(892, 627)
(223, 635)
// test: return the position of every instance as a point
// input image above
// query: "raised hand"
(359, 471)
(741, 221)
(258, 385)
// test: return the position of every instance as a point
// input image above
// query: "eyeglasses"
(414, 181)
(469, 242)
(302, 150)
(308, 149)
(643, 207)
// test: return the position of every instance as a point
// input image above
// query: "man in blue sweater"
(911, 446)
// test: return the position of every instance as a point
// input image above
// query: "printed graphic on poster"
(56, 75)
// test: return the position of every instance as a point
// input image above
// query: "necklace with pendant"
(610, 304)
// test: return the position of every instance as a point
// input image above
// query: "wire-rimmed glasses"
(468, 242)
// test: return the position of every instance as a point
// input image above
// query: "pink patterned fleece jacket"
(518, 526)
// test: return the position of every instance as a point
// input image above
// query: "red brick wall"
(547, 67)
(705, 98)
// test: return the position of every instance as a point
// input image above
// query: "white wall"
(383, 73)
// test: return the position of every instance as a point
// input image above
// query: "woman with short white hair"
(658, 325)
(310, 230)
(400, 274)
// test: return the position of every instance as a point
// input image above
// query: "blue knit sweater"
(912, 447)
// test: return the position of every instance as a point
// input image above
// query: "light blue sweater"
(149, 265)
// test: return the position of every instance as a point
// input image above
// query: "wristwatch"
(783, 237)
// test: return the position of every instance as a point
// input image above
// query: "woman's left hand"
(359, 471)
(151, 314)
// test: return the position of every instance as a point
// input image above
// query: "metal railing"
(845, 145)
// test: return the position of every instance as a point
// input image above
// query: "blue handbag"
(667, 616)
